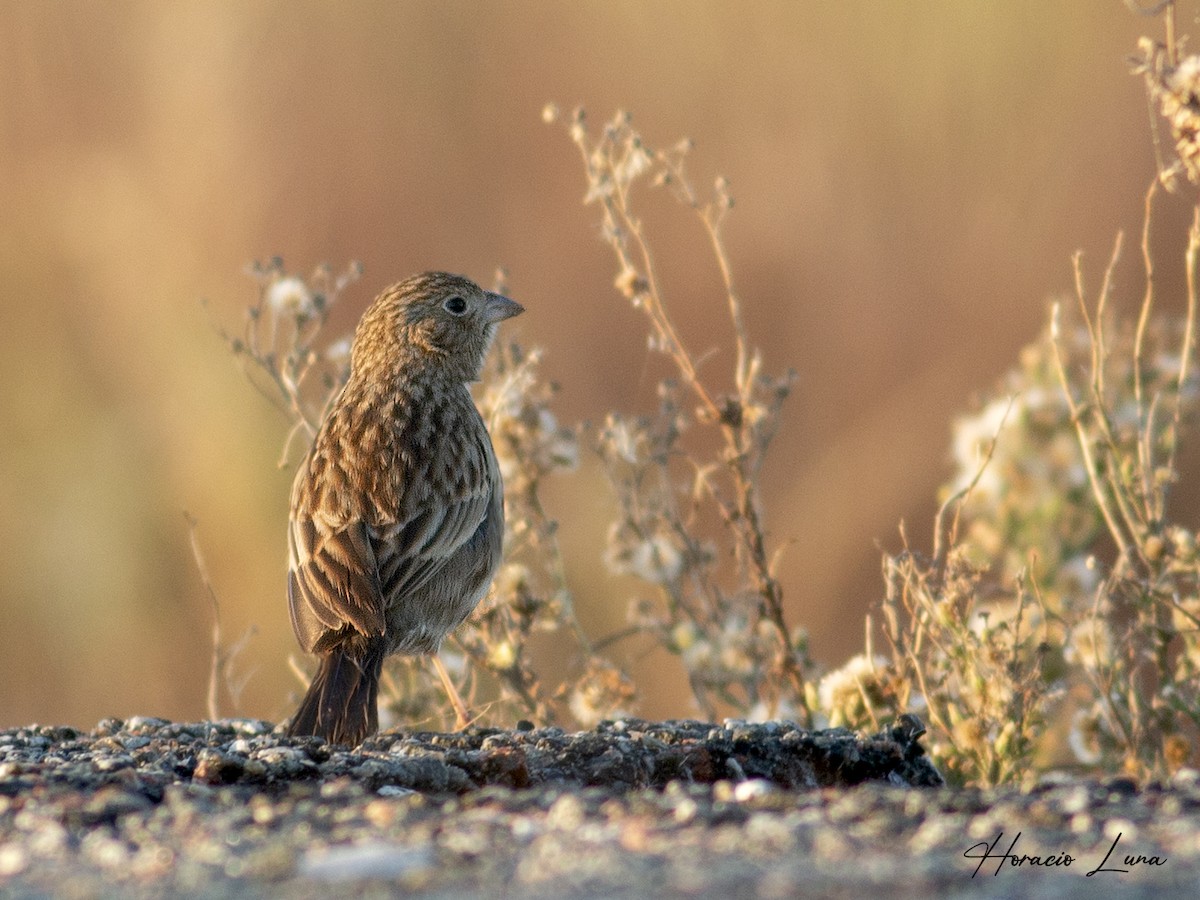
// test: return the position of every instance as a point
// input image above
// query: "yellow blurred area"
(911, 180)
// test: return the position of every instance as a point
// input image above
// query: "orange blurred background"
(911, 178)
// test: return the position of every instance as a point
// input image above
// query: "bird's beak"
(497, 308)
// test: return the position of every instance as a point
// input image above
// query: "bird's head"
(436, 320)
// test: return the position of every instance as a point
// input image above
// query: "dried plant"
(969, 662)
(714, 598)
(1055, 621)
(966, 642)
(1058, 619)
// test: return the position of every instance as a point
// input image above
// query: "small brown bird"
(397, 513)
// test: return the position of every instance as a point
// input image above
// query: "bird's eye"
(456, 306)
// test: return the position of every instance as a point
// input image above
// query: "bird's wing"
(346, 575)
(333, 581)
(411, 553)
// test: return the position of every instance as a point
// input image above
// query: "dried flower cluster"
(1175, 85)
(1136, 643)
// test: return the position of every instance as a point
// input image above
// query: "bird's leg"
(461, 719)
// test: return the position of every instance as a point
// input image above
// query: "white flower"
(506, 399)
(785, 711)
(698, 656)
(502, 656)
(557, 447)
(564, 451)
(510, 579)
(635, 162)
(1078, 576)
(843, 684)
(290, 295)
(656, 560)
(338, 352)
(1089, 645)
(625, 440)
(508, 466)
(1186, 77)
(972, 437)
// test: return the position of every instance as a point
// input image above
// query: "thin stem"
(1100, 342)
(1085, 444)
(712, 224)
(1189, 332)
(216, 663)
(1147, 298)
(939, 532)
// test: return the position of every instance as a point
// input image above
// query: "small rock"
(367, 860)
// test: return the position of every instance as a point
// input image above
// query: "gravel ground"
(147, 808)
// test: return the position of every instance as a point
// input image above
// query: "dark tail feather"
(341, 703)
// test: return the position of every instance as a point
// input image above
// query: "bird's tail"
(341, 703)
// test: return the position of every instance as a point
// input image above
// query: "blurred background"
(911, 179)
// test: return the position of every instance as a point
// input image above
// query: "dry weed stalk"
(731, 634)
(223, 657)
(1062, 622)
